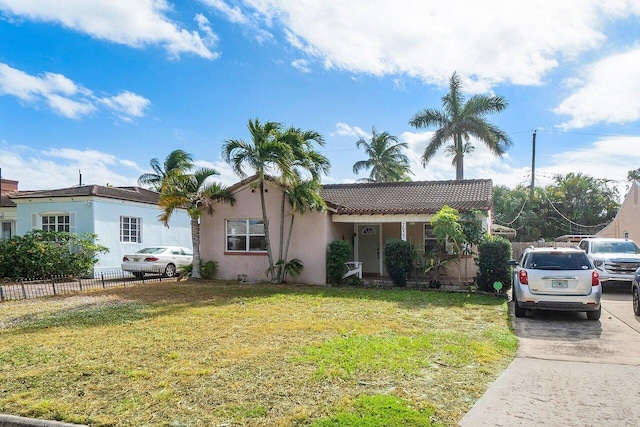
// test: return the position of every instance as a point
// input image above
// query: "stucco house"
(125, 219)
(626, 224)
(365, 215)
(8, 211)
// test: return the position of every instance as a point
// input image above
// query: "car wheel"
(594, 315)
(138, 274)
(517, 310)
(636, 301)
(170, 271)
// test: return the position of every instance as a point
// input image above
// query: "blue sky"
(103, 86)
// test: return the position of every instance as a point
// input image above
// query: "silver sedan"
(157, 259)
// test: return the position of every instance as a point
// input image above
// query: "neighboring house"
(8, 211)
(626, 224)
(365, 215)
(125, 219)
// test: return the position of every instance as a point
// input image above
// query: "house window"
(430, 240)
(368, 230)
(5, 231)
(55, 223)
(130, 229)
(245, 235)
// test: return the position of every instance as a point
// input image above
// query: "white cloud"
(127, 105)
(610, 93)
(132, 23)
(346, 130)
(65, 97)
(486, 40)
(302, 65)
(60, 168)
(248, 22)
(233, 14)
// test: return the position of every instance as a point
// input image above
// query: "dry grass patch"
(212, 353)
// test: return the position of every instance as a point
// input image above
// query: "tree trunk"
(286, 248)
(280, 254)
(460, 161)
(195, 240)
(267, 240)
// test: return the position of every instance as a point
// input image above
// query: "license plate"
(555, 283)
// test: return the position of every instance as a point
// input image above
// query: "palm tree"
(178, 161)
(304, 159)
(386, 161)
(459, 120)
(193, 192)
(265, 152)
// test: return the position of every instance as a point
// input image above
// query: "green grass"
(211, 353)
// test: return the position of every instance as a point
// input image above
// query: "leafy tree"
(458, 121)
(447, 228)
(177, 162)
(192, 192)
(633, 175)
(265, 152)
(385, 158)
(572, 204)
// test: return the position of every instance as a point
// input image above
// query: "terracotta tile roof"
(409, 197)
(133, 194)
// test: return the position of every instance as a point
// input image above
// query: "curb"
(15, 421)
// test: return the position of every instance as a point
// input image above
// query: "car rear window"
(557, 261)
(151, 250)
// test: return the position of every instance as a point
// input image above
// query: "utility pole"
(533, 164)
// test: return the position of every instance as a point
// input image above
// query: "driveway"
(569, 371)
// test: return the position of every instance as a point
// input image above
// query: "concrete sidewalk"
(558, 393)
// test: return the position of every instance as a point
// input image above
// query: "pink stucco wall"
(311, 232)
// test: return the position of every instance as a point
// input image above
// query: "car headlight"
(599, 263)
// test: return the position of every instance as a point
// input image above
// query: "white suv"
(616, 259)
(562, 279)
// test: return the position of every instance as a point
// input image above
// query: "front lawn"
(212, 353)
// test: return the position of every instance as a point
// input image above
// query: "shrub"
(339, 253)
(398, 257)
(40, 254)
(208, 270)
(493, 263)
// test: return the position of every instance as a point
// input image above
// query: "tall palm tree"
(266, 152)
(385, 158)
(193, 192)
(459, 120)
(304, 159)
(178, 161)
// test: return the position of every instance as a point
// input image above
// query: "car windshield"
(625, 247)
(151, 251)
(557, 261)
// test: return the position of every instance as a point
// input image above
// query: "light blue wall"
(102, 217)
(107, 225)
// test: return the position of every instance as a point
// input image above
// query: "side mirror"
(513, 263)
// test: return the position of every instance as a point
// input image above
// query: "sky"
(98, 88)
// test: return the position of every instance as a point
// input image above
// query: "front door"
(369, 248)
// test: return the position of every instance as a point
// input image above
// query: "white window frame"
(247, 235)
(129, 237)
(37, 222)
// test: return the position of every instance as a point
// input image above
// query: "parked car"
(562, 279)
(615, 259)
(635, 290)
(158, 260)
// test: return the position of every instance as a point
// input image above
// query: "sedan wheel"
(170, 271)
(636, 301)
(518, 311)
